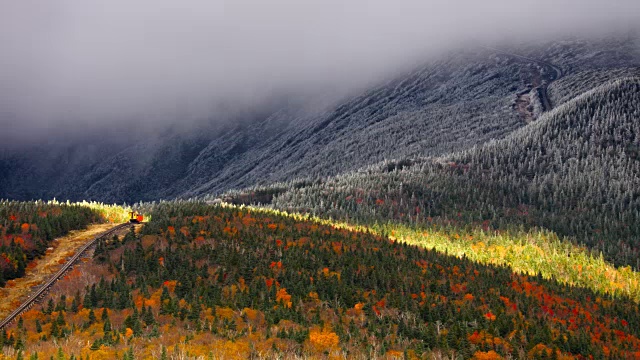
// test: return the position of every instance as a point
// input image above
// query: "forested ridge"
(205, 281)
(575, 171)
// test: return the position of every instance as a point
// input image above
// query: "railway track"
(44, 288)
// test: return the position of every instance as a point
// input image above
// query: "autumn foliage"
(27, 229)
(262, 284)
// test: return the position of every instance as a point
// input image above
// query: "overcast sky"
(89, 61)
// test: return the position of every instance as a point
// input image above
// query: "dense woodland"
(212, 282)
(575, 171)
(27, 228)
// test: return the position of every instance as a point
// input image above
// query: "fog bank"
(92, 64)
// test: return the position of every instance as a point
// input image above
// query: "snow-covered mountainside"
(575, 171)
(465, 99)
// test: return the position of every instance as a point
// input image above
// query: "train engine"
(135, 217)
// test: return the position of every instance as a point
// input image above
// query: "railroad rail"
(47, 285)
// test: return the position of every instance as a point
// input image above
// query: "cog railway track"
(44, 288)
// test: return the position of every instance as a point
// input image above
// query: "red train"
(135, 218)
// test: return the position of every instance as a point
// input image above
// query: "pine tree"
(86, 301)
(60, 319)
(50, 307)
(55, 330)
(93, 296)
(155, 331)
(129, 355)
(148, 317)
(19, 343)
(75, 304)
(92, 317)
(107, 325)
(96, 345)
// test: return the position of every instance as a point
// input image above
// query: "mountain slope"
(232, 283)
(575, 171)
(465, 99)
(455, 103)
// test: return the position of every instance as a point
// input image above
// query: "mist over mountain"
(461, 100)
(152, 100)
(78, 67)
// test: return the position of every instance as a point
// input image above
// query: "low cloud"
(94, 63)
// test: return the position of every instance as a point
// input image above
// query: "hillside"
(224, 282)
(575, 171)
(28, 228)
(465, 95)
(465, 99)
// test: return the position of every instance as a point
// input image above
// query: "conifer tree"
(92, 317)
